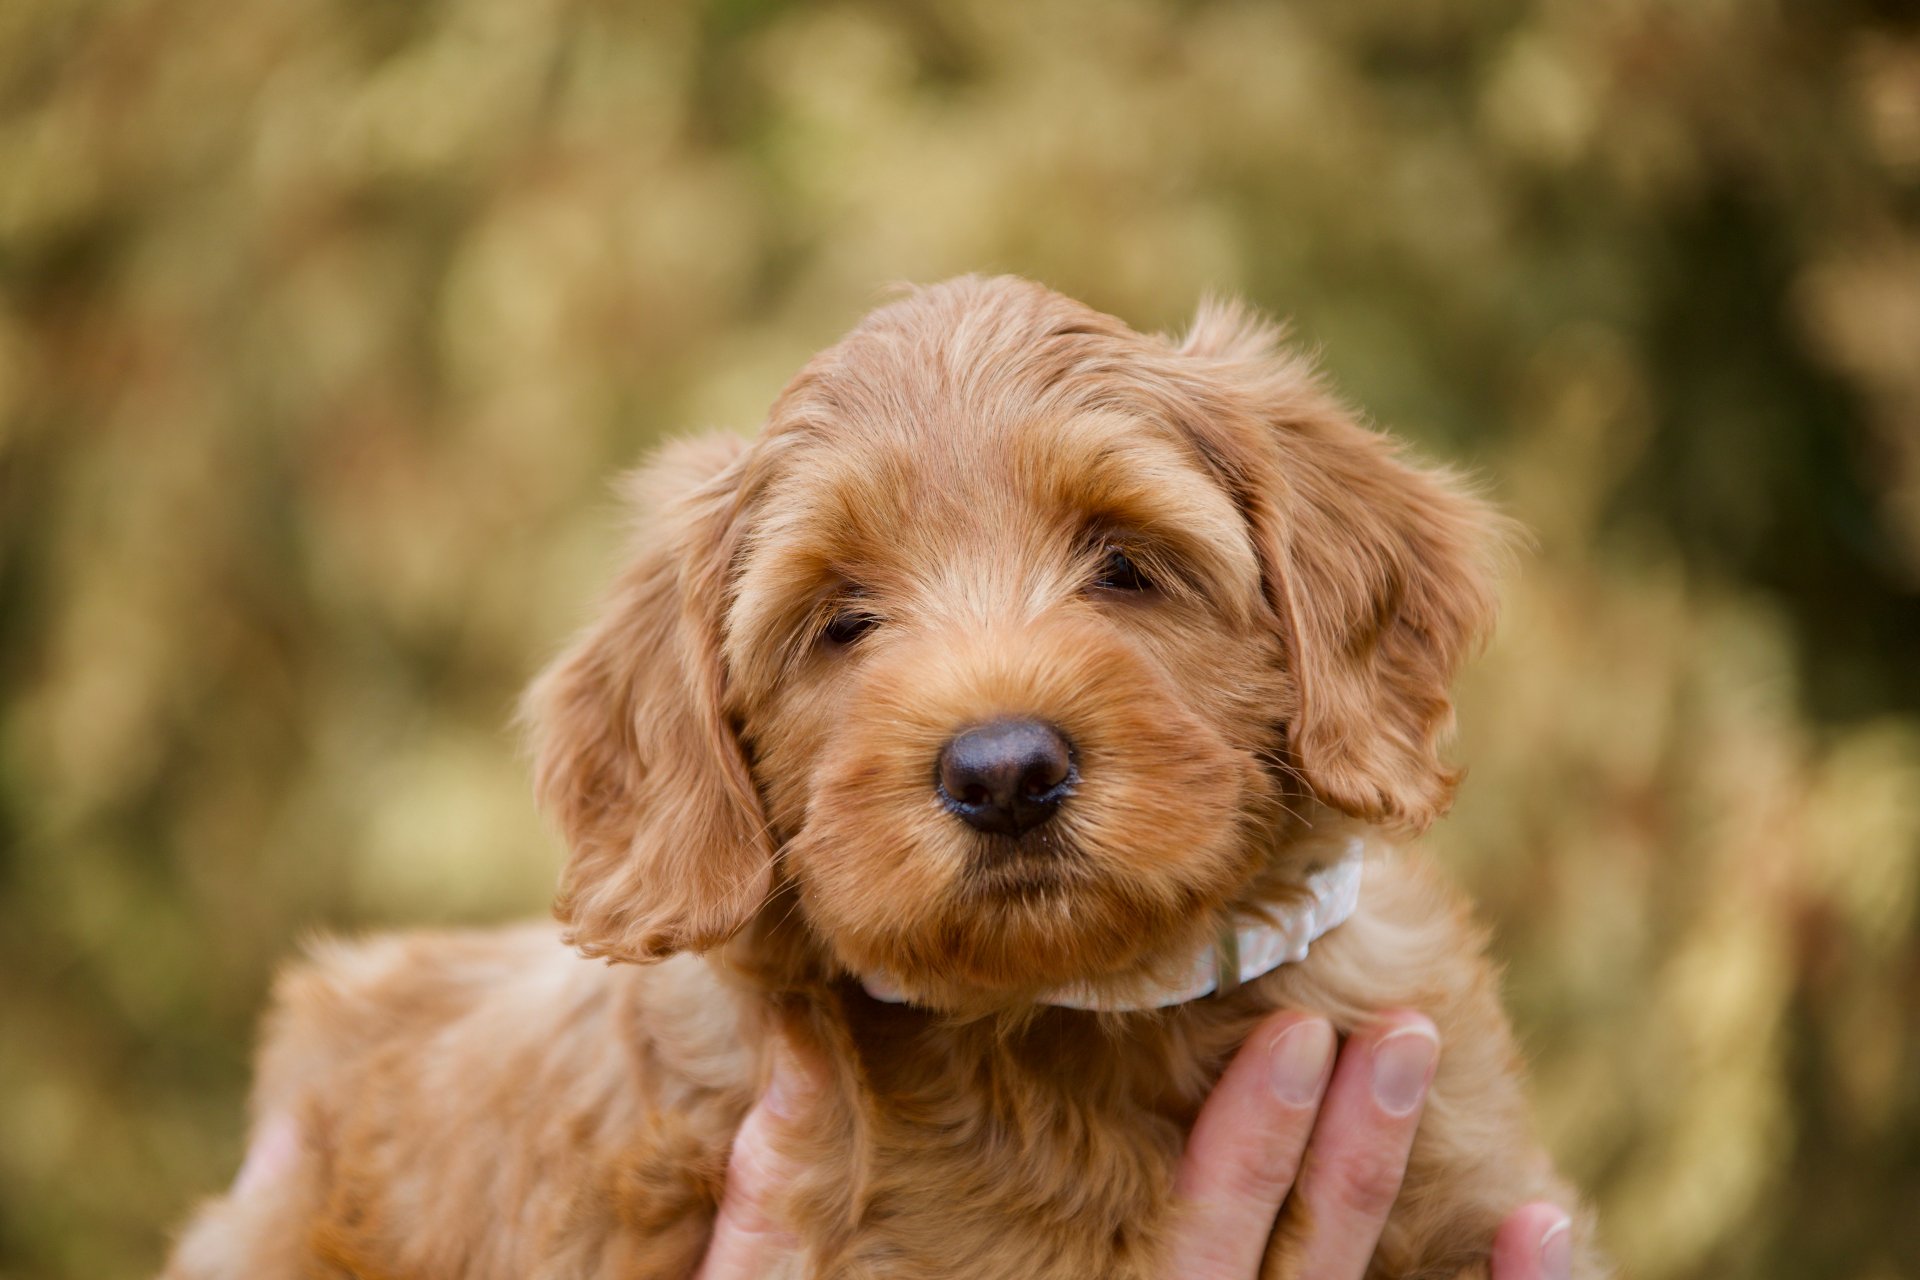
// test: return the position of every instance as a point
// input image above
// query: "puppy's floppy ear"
(633, 756)
(1381, 574)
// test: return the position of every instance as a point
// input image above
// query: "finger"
(749, 1240)
(1534, 1243)
(1358, 1154)
(1246, 1147)
(272, 1153)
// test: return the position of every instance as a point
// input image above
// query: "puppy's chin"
(1015, 946)
(1012, 939)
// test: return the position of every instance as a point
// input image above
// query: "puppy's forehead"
(944, 478)
(978, 421)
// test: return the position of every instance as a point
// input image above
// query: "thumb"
(749, 1239)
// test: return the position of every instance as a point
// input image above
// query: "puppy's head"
(1017, 639)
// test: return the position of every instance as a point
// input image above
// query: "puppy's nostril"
(1006, 777)
(1038, 782)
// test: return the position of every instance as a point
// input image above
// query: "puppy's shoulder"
(486, 994)
(1412, 942)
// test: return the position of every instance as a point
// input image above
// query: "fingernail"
(791, 1086)
(1301, 1057)
(1402, 1065)
(274, 1150)
(1556, 1251)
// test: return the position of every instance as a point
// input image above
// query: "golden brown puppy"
(1026, 712)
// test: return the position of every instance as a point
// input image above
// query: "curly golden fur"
(748, 797)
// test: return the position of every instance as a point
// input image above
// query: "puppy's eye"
(849, 625)
(1118, 572)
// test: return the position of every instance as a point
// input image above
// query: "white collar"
(1254, 946)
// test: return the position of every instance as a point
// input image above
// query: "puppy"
(1031, 708)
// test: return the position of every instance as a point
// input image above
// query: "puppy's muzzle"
(1006, 777)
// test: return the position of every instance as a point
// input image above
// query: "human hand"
(749, 1241)
(1246, 1153)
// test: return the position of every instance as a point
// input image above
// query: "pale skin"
(1287, 1092)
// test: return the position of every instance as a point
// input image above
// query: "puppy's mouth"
(1040, 864)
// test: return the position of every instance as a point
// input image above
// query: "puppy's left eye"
(1118, 572)
(849, 625)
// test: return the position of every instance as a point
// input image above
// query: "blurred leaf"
(324, 325)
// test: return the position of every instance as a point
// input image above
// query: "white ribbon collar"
(1253, 947)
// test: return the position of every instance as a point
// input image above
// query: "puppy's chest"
(1001, 1173)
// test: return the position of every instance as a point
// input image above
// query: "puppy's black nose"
(1007, 776)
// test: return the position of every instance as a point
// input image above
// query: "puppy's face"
(1016, 638)
(1001, 664)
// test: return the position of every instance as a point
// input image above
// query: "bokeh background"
(324, 323)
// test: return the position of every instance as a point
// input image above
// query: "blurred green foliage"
(323, 324)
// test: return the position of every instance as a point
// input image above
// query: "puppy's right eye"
(1118, 572)
(849, 625)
